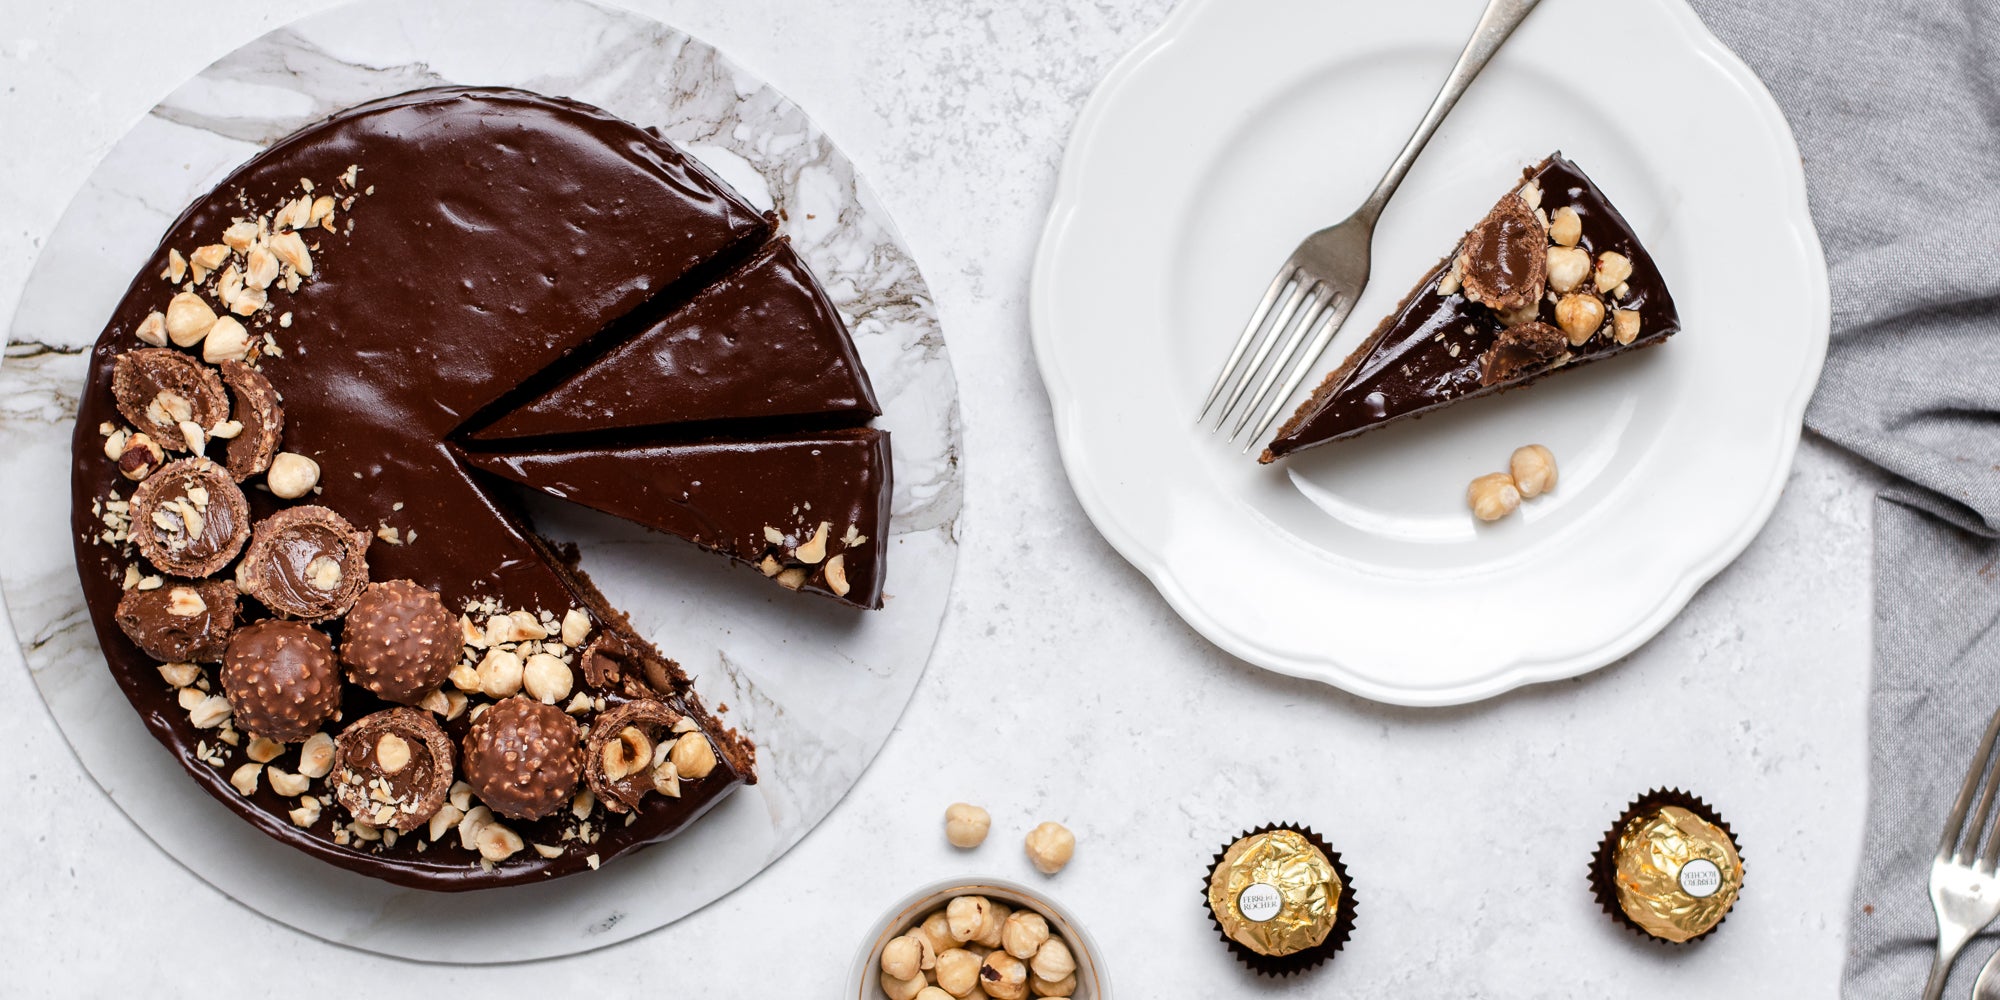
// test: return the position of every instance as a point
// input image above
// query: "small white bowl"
(866, 976)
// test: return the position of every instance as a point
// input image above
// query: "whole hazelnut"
(903, 989)
(1613, 269)
(1493, 496)
(1024, 933)
(1568, 266)
(291, 475)
(965, 825)
(1064, 987)
(1565, 227)
(1580, 315)
(1052, 960)
(966, 915)
(1003, 977)
(140, 456)
(936, 929)
(932, 992)
(902, 957)
(1534, 470)
(693, 757)
(1050, 846)
(989, 932)
(957, 972)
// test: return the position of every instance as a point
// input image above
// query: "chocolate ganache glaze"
(480, 237)
(811, 511)
(762, 342)
(1439, 346)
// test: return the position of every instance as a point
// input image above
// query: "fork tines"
(1310, 307)
(1961, 842)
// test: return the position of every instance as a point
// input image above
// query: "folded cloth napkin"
(1896, 105)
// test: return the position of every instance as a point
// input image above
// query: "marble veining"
(816, 686)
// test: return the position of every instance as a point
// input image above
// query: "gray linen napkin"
(1896, 104)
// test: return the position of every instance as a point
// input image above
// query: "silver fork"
(1322, 279)
(1964, 891)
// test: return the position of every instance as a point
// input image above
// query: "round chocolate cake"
(298, 448)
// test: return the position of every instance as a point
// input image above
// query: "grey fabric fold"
(1896, 106)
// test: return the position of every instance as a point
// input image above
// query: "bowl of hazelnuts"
(978, 938)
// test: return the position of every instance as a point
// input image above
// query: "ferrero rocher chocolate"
(1281, 898)
(1670, 867)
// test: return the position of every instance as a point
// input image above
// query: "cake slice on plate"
(1551, 279)
(763, 342)
(810, 511)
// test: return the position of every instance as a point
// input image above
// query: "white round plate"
(1243, 125)
(817, 686)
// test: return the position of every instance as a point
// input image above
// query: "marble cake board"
(816, 685)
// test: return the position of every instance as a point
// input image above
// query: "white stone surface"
(1063, 688)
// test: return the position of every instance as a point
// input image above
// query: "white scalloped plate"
(1241, 126)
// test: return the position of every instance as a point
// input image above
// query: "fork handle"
(1940, 971)
(1495, 26)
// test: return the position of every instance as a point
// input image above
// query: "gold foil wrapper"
(1657, 888)
(1295, 900)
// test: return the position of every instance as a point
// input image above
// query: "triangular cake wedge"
(1551, 279)
(811, 511)
(763, 342)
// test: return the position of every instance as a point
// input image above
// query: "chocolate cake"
(763, 342)
(808, 511)
(1551, 279)
(335, 316)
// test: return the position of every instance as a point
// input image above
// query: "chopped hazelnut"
(139, 456)
(185, 602)
(1493, 496)
(245, 778)
(575, 628)
(965, 825)
(1050, 846)
(496, 842)
(316, 755)
(836, 575)
(1612, 270)
(1625, 326)
(152, 330)
(288, 784)
(814, 550)
(1534, 470)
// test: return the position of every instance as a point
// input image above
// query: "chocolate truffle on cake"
(399, 642)
(260, 418)
(180, 620)
(306, 563)
(189, 519)
(1504, 264)
(626, 756)
(522, 758)
(392, 768)
(158, 390)
(280, 679)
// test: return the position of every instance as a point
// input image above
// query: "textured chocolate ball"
(399, 641)
(392, 769)
(280, 679)
(190, 518)
(522, 758)
(306, 563)
(180, 620)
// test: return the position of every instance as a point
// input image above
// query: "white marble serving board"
(818, 687)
